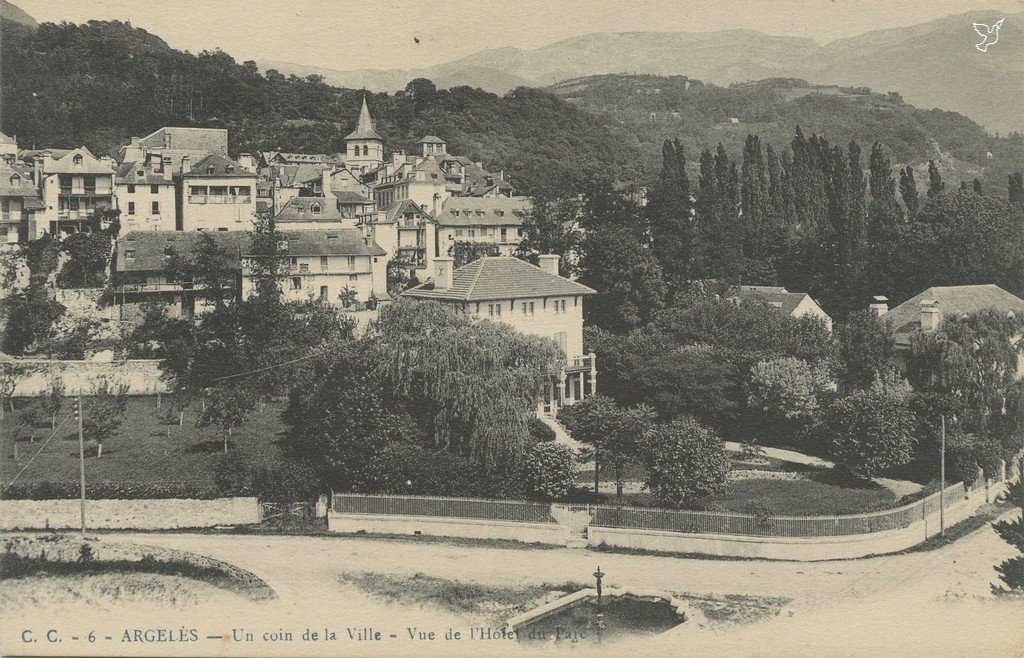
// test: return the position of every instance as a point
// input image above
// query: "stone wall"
(539, 533)
(141, 514)
(142, 376)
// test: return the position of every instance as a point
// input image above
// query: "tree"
(88, 255)
(885, 218)
(208, 269)
(865, 348)
(549, 470)
(30, 315)
(552, 227)
(52, 400)
(669, 213)
(1011, 570)
(686, 462)
(908, 190)
(976, 186)
(1015, 184)
(466, 252)
(786, 388)
(615, 432)
(103, 414)
(11, 372)
(935, 184)
(867, 432)
(226, 407)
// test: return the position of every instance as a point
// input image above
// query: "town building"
(140, 274)
(76, 188)
(215, 194)
(19, 206)
(531, 299)
(492, 220)
(146, 195)
(927, 310)
(339, 266)
(791, 304)
(8, 149)
(364, 148)
(170, 145)
(406, 232)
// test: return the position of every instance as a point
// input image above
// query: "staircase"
(561, 434)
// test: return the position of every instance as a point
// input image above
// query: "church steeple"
(364, 148)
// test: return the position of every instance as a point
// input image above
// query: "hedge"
(108, 490)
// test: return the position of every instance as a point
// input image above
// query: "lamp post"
(600, 614)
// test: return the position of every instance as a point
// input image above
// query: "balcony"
(13, 217)
(583, 363)
(218, 198)
(84, 193)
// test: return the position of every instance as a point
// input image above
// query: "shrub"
(549, 471)
(1011, 570)
(285, 483)
(869, 431)
(413, 470)
(231, 476)
(686, 461)
(540, 431)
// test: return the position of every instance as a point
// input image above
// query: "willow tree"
(975, 359)
(481, 382)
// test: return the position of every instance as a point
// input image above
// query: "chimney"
(443, 266)
(247, 161)
(549, 263)
(879, 305)
(167, 140)
(186, 164)
(931, 316)
(325, 182)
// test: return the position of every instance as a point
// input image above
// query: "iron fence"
(461, 508)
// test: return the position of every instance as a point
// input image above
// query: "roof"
(483, 211)
(90, 164)
(4, 139)
(350, 198)
(213, 140)
(128, 174)
(24, 187)
(953, 301)
(221, 168)
(300, 209)
(291, 175)
(405, 206)
(151, 246)
(431, 139)
(300, 158)
(364, 126)
(774, 296)
(499, 277)
(28, 155)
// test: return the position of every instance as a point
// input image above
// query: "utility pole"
(81, 458)
(942, 480)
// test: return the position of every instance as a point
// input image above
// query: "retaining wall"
(139, 514)
(538, 533)
(141, 376)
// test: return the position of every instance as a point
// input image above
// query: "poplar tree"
(908, 190)
(670, 213)
(935, 184)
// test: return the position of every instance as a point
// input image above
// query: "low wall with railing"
(124, 514)
(670, 531)
(140, 376)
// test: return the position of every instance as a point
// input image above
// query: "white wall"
(142, 376)
(212, 215)
(141, 514)
(143, 219)
(543, 322)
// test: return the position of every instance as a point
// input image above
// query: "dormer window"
(315, 208)
(229, 168)
(210, 170)
(15, 180)
(77, 160)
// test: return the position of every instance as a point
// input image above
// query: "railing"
(578, 363)
(218, 198)
(637, 518)
(723, 523)
(460, 508)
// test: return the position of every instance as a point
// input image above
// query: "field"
(142, 452)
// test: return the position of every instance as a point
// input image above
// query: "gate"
(286, 513)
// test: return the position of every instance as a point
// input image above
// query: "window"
(559, 307)
(15, 180)
(472, 232)
(323, 293)
(366, 150)
(154, 189)
(560, 339)
(129, 254)
(315, 208)
(323, 263)
(77, 160)
(296, 283)
(528, 308)
(458, 232)
(351, 262)
(520, 231)
(354, 278)
(504, 234)
(131, 207)
(156, 208)
(131, 189)
(494, 310)
(304, 268)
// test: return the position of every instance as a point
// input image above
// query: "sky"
(347, 34)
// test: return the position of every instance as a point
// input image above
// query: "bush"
(231, 476)
(869, 431)
(549, 471)
(540, 431)
(686, 461)
(107, 490)
(289, 482)
(413, 470)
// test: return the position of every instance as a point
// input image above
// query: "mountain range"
(933, 64)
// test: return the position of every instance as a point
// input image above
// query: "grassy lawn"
(142, 451)
(803, 497)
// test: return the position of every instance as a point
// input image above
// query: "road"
(878, 598)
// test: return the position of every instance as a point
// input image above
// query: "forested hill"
(647, 108)
(101, 83)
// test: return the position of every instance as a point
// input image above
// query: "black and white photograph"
(511, 328)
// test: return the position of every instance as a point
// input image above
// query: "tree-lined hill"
(101, 83)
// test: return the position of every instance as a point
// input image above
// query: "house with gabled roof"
(146, 196)
(927, 310)
(532, 299)
(215, 193)
(790, 304)
(19, 206)
(77, 188)
(496, 220)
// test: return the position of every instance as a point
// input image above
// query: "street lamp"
(600, 614)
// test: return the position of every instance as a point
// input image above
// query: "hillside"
(650, 108)
(932, 64)
(16, 14)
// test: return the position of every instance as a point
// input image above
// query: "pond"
(625, 616)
